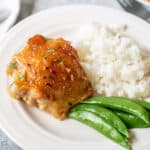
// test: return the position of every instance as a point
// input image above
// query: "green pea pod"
(122, 104)
(93, 120)
(131, 121)
(145, 104)
(108, 115)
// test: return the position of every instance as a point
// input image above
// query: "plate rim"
(71, 5)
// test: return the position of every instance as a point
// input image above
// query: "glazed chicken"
(47, 74)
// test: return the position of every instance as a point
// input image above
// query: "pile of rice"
(114, 63)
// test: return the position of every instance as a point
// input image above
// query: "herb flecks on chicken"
(47, 74)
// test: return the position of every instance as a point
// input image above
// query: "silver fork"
(135, 8)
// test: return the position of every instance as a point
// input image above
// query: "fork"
(135, 8)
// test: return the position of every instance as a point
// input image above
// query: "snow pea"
(131, 121)
(108, 115)
(143, 103)
(119, 103)
(101, 125)
(146, 105)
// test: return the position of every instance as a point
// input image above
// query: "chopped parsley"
(13, 65)
(21, 75)
(51, 50)
(58, 60)
(49, 76)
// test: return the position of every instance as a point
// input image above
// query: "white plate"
(36, 130)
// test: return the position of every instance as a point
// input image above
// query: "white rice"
(115, 65)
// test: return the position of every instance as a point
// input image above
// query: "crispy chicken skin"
(47, 74)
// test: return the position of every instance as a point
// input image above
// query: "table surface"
(29, 7)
